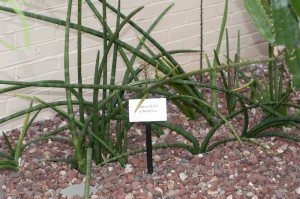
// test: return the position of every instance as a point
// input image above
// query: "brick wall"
(179, 29)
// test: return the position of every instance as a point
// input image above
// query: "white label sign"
(150, 110)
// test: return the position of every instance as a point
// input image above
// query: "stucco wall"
(179, 29)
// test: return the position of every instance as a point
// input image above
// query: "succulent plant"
(278, 22)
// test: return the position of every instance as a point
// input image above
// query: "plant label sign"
(151, 110)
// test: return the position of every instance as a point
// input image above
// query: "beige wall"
(179, 29)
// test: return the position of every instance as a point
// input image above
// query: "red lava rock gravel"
(231, 171)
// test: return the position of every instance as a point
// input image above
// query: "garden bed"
(229, 171)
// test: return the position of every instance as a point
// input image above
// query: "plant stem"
(201, 38)
(79, 65)
(89, 154)
(77, 145)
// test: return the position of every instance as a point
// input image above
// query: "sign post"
(149, 147)
(150, 110)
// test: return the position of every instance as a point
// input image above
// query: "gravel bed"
(230, 171)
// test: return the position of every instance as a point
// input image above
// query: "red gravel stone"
(256, 167)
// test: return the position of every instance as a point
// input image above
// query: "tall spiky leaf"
(260, 19)
(296, 6)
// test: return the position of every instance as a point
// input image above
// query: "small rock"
(72, 174)
(159, 190)
(171, 193)
(186, 123)
(298, 190)
(236, 151)
(170, 184)
(134, 161)
(128, 168)
(229, 197)
(193, 196)
(253, 111)
(200, 155)
(231, 177)
(220, 190)
(138, 178)
(130, 178)
(156, 193)
(277, 159)
(292, 148)
(183, 176)
(135, 185)
(287, 129)
(284, 147)
(28, 174)
(195, 174)
(164, 157)
(32, 150)
(253, 161)
(110, 168)
(279, 194)
(213, 194)
(202, 185)
(57, 120)
(280, 150)
(156, 158)
(250, 194)
(129, 196)
(14, 192)
(159, 169)
(62, 174)
(239, 192)
(76, 189)
(245, 152)
(149, 186)
(41, 122)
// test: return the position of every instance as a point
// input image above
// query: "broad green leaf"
(296, 6)
(267, 7)
(286, 26)
(260, 19)
(292, 59)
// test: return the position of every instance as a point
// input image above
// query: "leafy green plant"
(91, 136)
(278, 22)
(94, 131)
(11, 160)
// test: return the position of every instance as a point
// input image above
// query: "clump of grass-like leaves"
(91, 135)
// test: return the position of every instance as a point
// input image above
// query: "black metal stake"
(149, 147)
